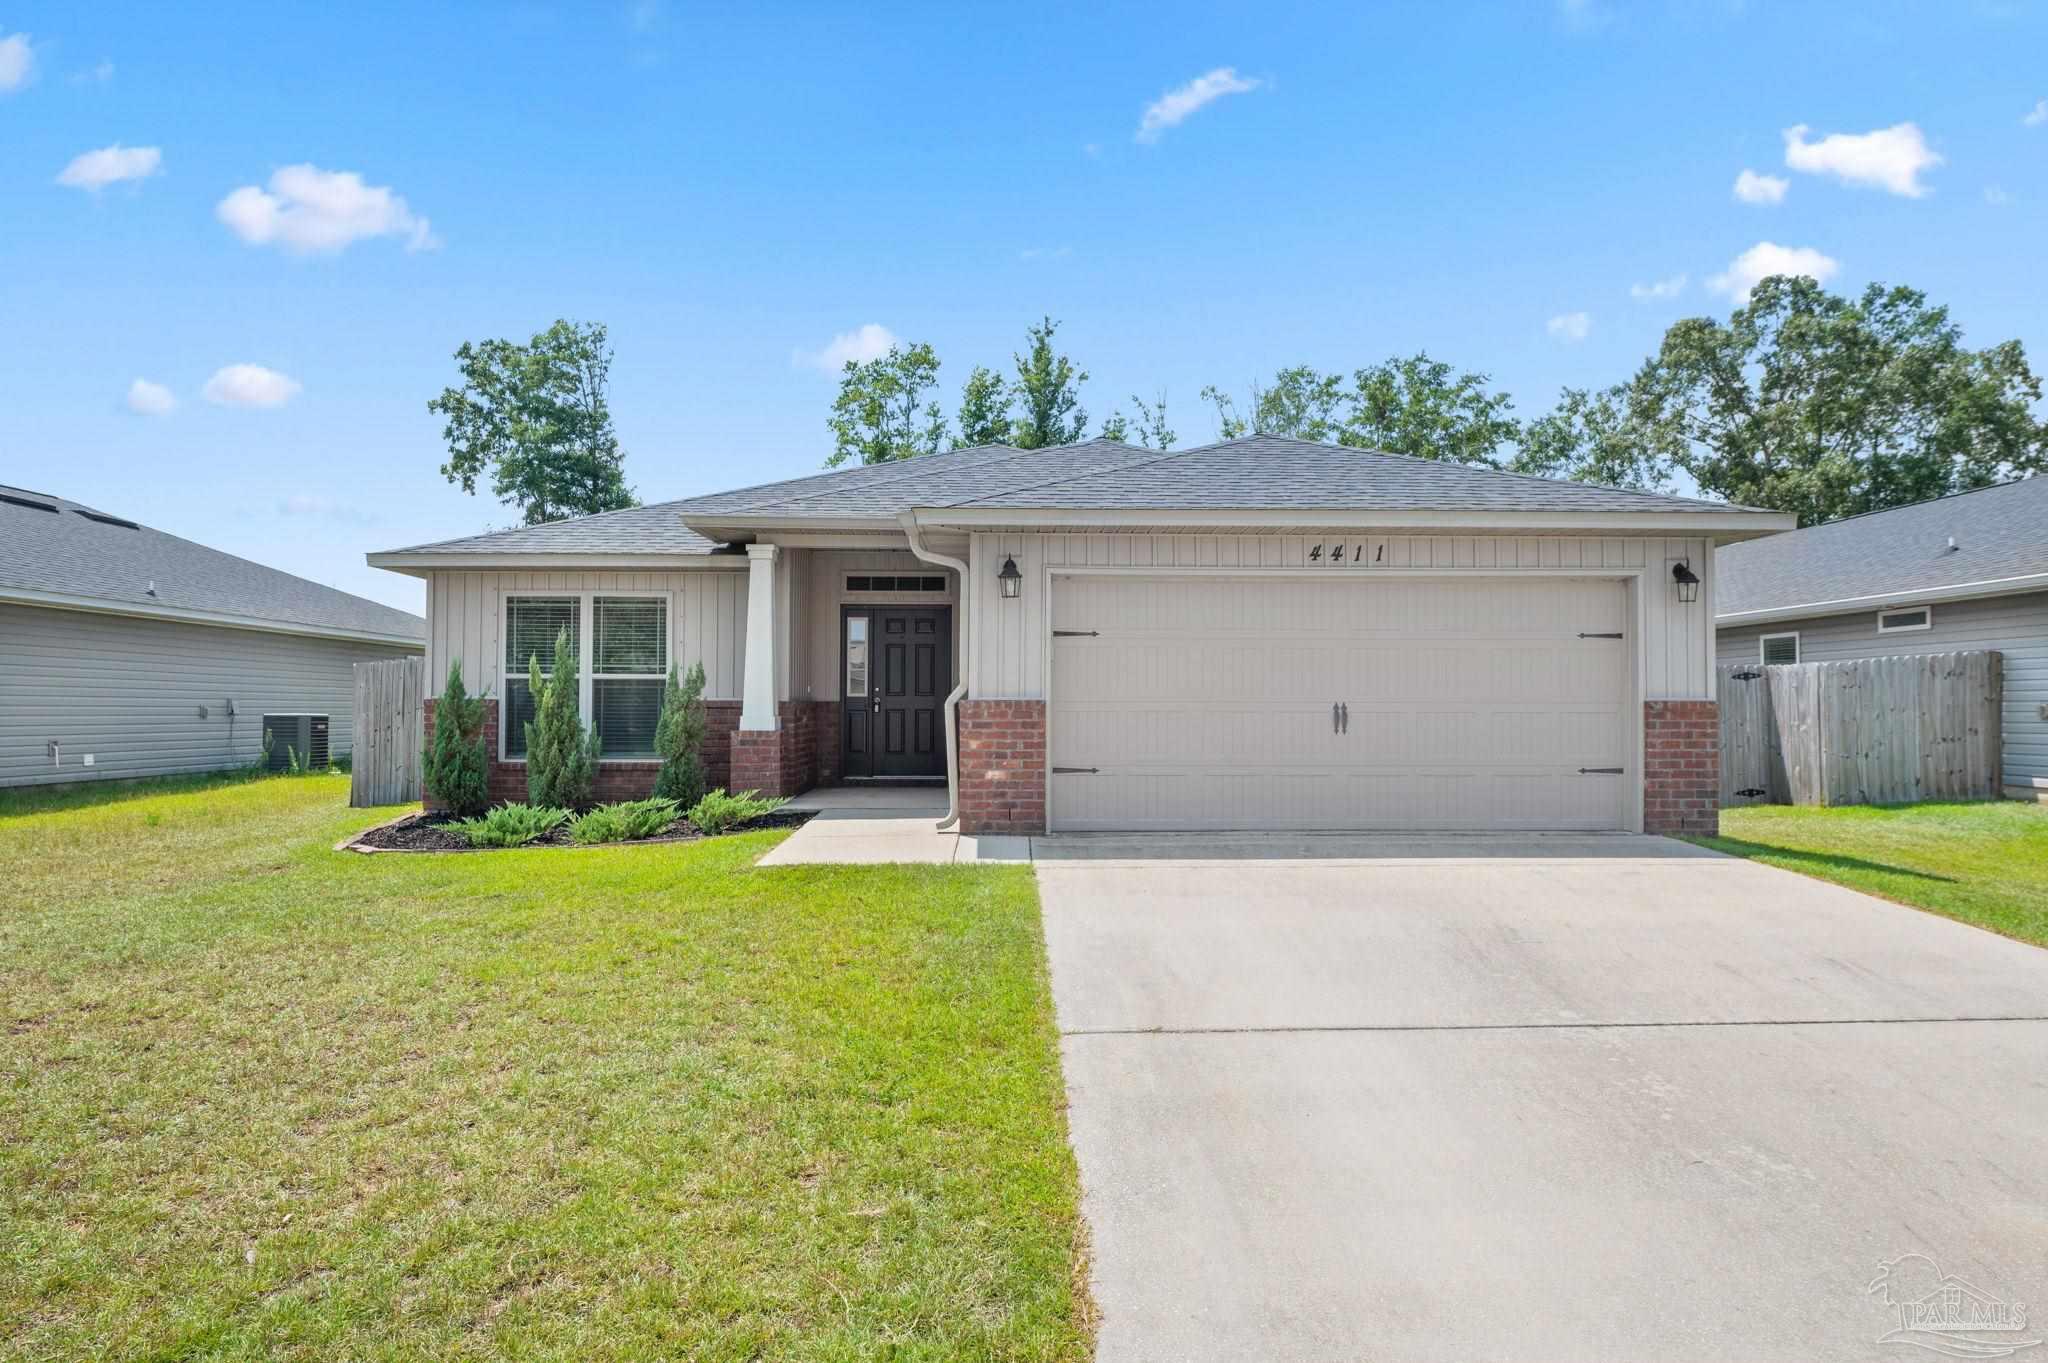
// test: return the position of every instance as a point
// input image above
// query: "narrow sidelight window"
(856, 655)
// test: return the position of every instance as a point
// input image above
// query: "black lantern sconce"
(1011, 579)
(1687, 582)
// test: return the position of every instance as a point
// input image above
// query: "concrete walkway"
(865, 825)
(1608, 1098)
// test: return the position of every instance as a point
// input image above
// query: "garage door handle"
(1335, 720)
(1599, 771)
(1345, 707)
(1615, 635)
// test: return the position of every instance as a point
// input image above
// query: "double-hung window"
(531, 624)
(627, 671)
(621, 648)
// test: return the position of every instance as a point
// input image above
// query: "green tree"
(881, 413)
(1301, 403)
(1595, 437)
(1419, 406)
(1826, 406)
(1115, 427)
(679, 738)
(1049, 408)
(984, 417)
(561, 758)
(1153, 432)
(456, 770)
(534, 417)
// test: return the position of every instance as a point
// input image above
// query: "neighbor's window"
(627, 672)
(856, 655)
(531, 624)
(1780, 649)
(1904, 621)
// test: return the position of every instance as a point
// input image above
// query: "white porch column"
(757, 709)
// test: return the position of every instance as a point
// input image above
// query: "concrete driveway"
(1545, 1098)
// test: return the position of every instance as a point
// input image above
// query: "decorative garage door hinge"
(1075, 634)
(1616, 635)
(1751, 792)
(1744, 676)
(1599, 771)
(1073, 771)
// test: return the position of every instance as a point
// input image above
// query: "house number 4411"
(1335, 553)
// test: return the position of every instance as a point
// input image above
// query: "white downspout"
(908, 520)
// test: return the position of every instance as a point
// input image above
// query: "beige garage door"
(1340, 703)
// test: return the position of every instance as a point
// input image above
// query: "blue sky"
(730, 189)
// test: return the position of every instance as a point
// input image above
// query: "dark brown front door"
(896, 666)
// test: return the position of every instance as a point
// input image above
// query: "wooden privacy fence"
(1875, 731)
(386, 767)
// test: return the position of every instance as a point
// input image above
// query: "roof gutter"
(1845, 605)
(913, 531)
(221, 619)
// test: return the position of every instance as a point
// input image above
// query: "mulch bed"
(434, 833)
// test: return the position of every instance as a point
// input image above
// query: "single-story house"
(127, 652)
(1969, 571)
(1263, 633)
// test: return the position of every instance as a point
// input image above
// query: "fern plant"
(511, 825)
(719, 812)
(625, 821)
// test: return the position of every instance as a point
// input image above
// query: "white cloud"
(1753, 188)
(1174, 107)
(1570, 326)
(1045, 253)
(94, 75)
(1996, 196)
(1583, 15)
(1767, 258)
(150, 399)
(2037, 115)
(1889, 158)
(17, 62)
(95, 170)
(1658, 290)
(249, 385)
(870, 342)
(310, 211)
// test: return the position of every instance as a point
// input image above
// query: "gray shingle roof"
(67, 553)
(1256, 472)
(2000, 532)
(655, 529)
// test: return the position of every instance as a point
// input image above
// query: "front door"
(896, 668)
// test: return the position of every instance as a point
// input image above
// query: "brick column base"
(1682, 767)
(1002, 766)
(780, 761)
(628, 780)
(826, 720)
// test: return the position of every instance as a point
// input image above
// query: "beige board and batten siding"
(2016, 626)
(1009, 639)
(707, 619)
(128, 690)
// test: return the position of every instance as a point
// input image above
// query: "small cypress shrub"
(679, 738)
(457, 770)
(561, 757)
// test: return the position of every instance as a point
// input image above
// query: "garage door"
(1303, 703)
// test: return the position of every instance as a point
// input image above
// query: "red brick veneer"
(826, 720)
(1681, 766)
(780, 761)
(1002, 766)
(631, 780)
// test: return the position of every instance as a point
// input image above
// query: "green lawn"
(262, 1100)
(1982, 863)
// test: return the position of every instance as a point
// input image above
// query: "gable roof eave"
(1722, 525)
(1917, 596)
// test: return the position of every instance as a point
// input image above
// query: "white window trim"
(1763, 639)
(1883, 628)
(586, 650)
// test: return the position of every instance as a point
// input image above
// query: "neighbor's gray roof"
(63, 552)
(1255, 472)
(2000, 532)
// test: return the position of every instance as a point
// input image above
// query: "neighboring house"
(1262, 633)
(1963, 572)
(128, 652)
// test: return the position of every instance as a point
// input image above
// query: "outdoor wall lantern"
(1687, 582)
(1012, 580)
